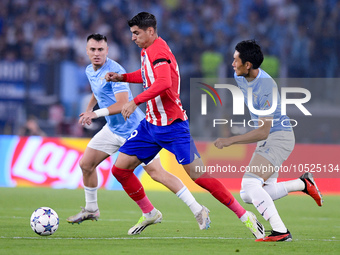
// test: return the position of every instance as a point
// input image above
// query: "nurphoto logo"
(238, 103)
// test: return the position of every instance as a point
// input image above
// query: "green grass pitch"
(315, 230)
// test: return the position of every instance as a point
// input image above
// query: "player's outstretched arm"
(253, 136)
(162, 83)
(121, 99)
(134, 77)
(114, 77)
(162, 74)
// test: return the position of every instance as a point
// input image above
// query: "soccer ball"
(44, 221)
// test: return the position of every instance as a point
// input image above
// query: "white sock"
(244, 217)
(294, 185)
(276, 190)
(150, 214)
(91, 199)
(252, 185)
(189, 200)
(277, 224)
(262, 201)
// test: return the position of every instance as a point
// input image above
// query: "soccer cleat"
(311, 188)
(144, 222)
(276, 237)
(203, 219)
(254, 225)
(83, 215)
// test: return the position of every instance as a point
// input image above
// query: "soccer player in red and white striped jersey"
(159, 73)
(165, 126)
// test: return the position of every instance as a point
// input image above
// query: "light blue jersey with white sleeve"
(262, 98)
(105, 93)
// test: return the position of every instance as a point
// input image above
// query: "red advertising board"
(54, 162)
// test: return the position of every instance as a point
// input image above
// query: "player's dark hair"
(143, 20)
(250, 51)
(97, 37)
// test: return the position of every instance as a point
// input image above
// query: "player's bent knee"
(154, 172)
(250, 182)
(86, 168)
(245, 197)
(156, 176)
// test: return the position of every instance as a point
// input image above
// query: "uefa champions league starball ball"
(44, 221)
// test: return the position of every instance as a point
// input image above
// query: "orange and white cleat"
(311, 188)
(276, 237)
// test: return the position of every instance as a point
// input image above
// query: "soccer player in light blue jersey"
(275, 141)
(110, 97)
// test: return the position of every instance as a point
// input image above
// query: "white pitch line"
(126, 238)
(152, 238)
(123, 220)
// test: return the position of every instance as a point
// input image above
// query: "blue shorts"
(147, 140)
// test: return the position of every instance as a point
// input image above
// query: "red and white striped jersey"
(161, 82)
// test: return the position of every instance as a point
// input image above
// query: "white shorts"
(276, 148)
(107, 141)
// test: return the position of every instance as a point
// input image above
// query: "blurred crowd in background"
(299, 40)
